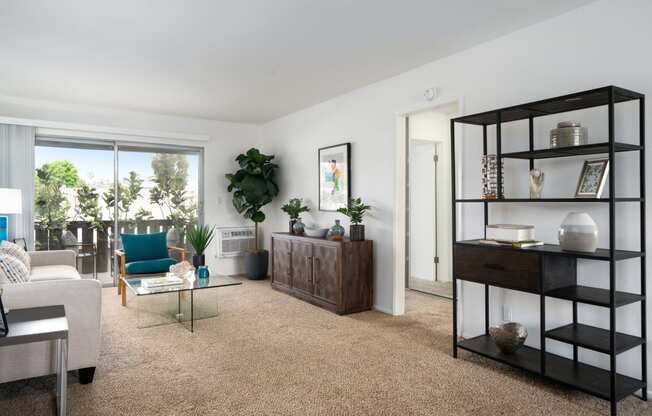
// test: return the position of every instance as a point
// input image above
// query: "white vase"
(578, 232)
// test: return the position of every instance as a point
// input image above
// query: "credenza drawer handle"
(494, 266)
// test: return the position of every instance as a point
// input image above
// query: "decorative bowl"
(318, 232)
(509, 336)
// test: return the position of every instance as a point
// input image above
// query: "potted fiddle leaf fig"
(294, 208)
(200, 237)
(355, 211)
(254, 186)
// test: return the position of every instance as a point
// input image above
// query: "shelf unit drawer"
(508, 269)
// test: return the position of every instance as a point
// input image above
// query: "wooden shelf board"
(570, 102)
(593, 338)
(583, 150)
(583, 377)
(547, 200)
(594, 296)
(555, 250)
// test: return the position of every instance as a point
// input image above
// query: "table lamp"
(11, 202)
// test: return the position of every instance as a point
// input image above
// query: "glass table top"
(135, 283)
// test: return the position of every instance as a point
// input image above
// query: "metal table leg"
(62, 376)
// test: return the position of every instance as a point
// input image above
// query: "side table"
(47, 323)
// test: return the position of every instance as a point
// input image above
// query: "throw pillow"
(12, 270)
(17, 251)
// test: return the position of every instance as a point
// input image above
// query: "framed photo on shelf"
(334, 176)
(592, 178)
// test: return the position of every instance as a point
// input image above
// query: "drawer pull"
(494, 266)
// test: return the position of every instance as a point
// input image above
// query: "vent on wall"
(234, 241)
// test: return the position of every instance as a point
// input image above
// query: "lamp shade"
(11, 201)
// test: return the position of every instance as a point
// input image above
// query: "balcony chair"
(144, 254)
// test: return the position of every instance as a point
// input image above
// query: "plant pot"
(256, 264)
(356, 232)
(292, 222)
(198, 260)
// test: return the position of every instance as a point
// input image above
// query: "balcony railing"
(102, 237)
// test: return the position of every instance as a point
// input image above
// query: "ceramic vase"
(356, 232)
(299, 227)
(578, 232)
(336, 232)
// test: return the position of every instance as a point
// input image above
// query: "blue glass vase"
(336, 233)
(202, 272)
(299, 227)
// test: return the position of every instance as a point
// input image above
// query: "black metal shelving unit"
(606, 384)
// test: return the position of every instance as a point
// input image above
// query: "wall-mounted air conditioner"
(234, 241)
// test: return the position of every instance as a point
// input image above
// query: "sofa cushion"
(139, 247)
(53, 272)
(12, 270)
(150, 266)
(7, 247)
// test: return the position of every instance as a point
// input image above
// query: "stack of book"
(157, 282)
(511, 235)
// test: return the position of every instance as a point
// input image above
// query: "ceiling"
(235, 60)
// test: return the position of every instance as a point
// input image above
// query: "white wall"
(608, 46)
(225, 141)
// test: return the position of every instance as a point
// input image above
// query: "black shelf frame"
(606, 384)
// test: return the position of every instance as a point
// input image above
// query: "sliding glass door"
(159, 191)
(88, 193)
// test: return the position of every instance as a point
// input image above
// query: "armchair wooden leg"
(123, 291)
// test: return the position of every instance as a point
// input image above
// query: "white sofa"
(54, 280)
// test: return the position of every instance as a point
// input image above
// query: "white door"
(429, 240)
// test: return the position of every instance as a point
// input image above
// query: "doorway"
(428, 217)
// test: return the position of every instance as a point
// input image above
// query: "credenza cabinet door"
(302, 267)
(326, 265)
(281, 273)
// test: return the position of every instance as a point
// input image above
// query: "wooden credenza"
(334, 275)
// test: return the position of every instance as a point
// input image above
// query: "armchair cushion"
(139, 247)
(149, 266)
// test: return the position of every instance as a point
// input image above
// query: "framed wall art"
(592, 178)
(334, 176)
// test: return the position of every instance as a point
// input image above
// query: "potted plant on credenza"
(294, 208)
(355, 211)
(253, 187)
(200, 237)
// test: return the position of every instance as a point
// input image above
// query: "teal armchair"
(144, 254)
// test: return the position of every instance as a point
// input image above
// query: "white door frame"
(400, 181)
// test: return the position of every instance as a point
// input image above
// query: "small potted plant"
(294, 208)
(254, 186)
(200, 237)
(355, 211)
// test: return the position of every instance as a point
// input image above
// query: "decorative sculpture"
(536, 183)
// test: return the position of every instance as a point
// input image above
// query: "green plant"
(129, 191)
(50, 203)
(169, 191)
(88, 206)
(253, 185)
(355, 211)
(294, 208)
(200, 237)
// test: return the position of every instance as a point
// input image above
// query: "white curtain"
(17, 171)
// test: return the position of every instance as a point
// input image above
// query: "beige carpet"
(270, 354)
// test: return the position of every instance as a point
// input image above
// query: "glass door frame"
(115, 146)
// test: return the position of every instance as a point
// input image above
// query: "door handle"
(494, 266)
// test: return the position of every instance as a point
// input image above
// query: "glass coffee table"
(182, 303)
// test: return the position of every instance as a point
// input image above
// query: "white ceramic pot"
(578, 232)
